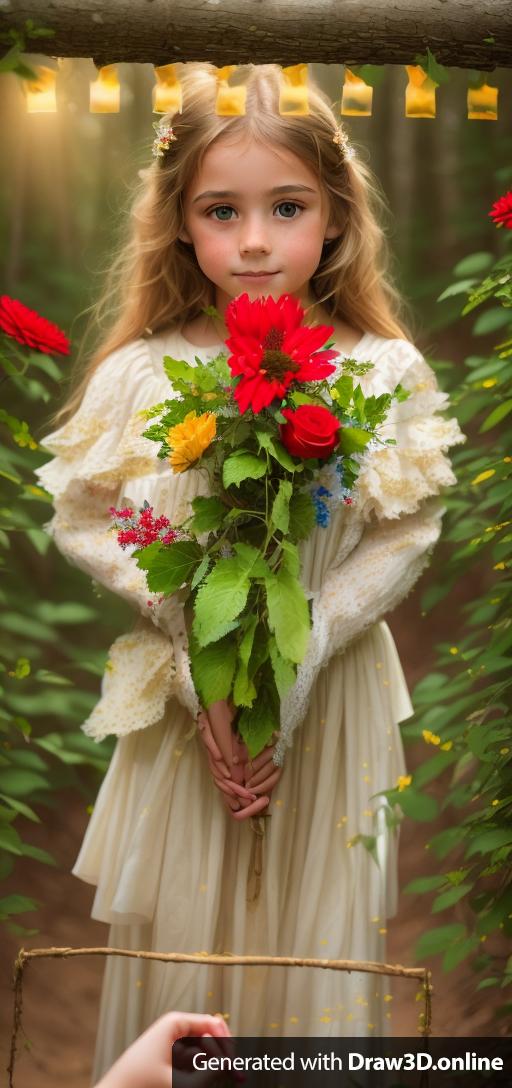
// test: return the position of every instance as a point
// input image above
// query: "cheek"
(211, 246)
(305, 247)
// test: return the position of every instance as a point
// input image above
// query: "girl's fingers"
(241, 791)
(231, 803)
(208, 738)
(224, 787)
(220, 717)
(259, 776)
(269, 783)
(252, 810)
(218, 767)
(255, 764)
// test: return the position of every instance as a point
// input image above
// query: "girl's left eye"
(282, 204)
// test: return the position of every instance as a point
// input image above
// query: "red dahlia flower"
(270, 348)
(30, 329)
(501, 211)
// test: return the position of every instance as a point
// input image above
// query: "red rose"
(30, 329)
(311, 431)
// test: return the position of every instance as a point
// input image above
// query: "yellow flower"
(483, 475)
(190, 438)
(489, 382)
(454, 649)
(499, 566)
(431, 738)
(447, 745)
(403, 781)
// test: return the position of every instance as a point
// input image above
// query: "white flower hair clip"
(341, 139)
(163, 138)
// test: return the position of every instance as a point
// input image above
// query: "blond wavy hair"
(154, 281)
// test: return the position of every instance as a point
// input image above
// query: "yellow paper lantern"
(356, 96)
(230, 101)
(41, 93)
(483, 103)
(420, 93)
(105, 92)
(293, 95)
(167, 92)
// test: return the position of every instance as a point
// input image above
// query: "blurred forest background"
(65, 184)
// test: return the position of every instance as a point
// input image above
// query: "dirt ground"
(61, 998)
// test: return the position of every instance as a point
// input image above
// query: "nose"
(254, 236)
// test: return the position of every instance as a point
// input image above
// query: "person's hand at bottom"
(147, 1062)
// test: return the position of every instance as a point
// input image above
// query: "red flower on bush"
(30, 329)
(141, 528)
(501, 211)
(270, 348)
(310, 431)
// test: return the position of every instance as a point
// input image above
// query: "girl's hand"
(148, 1060)
(231, 766)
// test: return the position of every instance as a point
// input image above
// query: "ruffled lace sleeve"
(96, 453)
(393, 525)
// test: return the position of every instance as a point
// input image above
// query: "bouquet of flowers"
(281, 447)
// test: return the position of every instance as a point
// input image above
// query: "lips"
(256, 274)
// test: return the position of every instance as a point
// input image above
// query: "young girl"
(171, 855)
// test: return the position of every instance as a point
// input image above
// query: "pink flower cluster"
(141, 528)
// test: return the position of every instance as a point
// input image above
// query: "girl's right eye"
(219, 208)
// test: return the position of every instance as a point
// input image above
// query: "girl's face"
(238, 225)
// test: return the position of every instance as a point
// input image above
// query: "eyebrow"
(278, 189)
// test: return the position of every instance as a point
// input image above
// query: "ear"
(332, 232)
(184, 236)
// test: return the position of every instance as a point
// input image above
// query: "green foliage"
(39, 672)
(463, 708)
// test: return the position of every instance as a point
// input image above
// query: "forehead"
(249, 164)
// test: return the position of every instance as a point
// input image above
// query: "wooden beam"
(460, 33)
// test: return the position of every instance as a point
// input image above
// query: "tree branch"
(460, 33)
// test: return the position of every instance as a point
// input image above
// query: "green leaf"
(353, 439)
(425, 884)
(438, 940)
(213, 669)
(288, 614)
(459, 288)
(284, 672)
(257, 723)
(21, 783)
(208, 514)
(450, 897)
(432, 68)
(302, 515)
(277, 450)
(221, 597)
(178, 369)
(418, 805)
(242, 465)
(474, 264)
(491, 320)
(37, 854)
(496, 416)
(280, 514)
(244, 691)
(488, 841)
(17, 904)
(20, 807)
(10, 840)
(458, 952)
(48, 677)
(200, 571)
(168, 566)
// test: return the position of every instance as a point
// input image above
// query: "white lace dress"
(171, 867)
